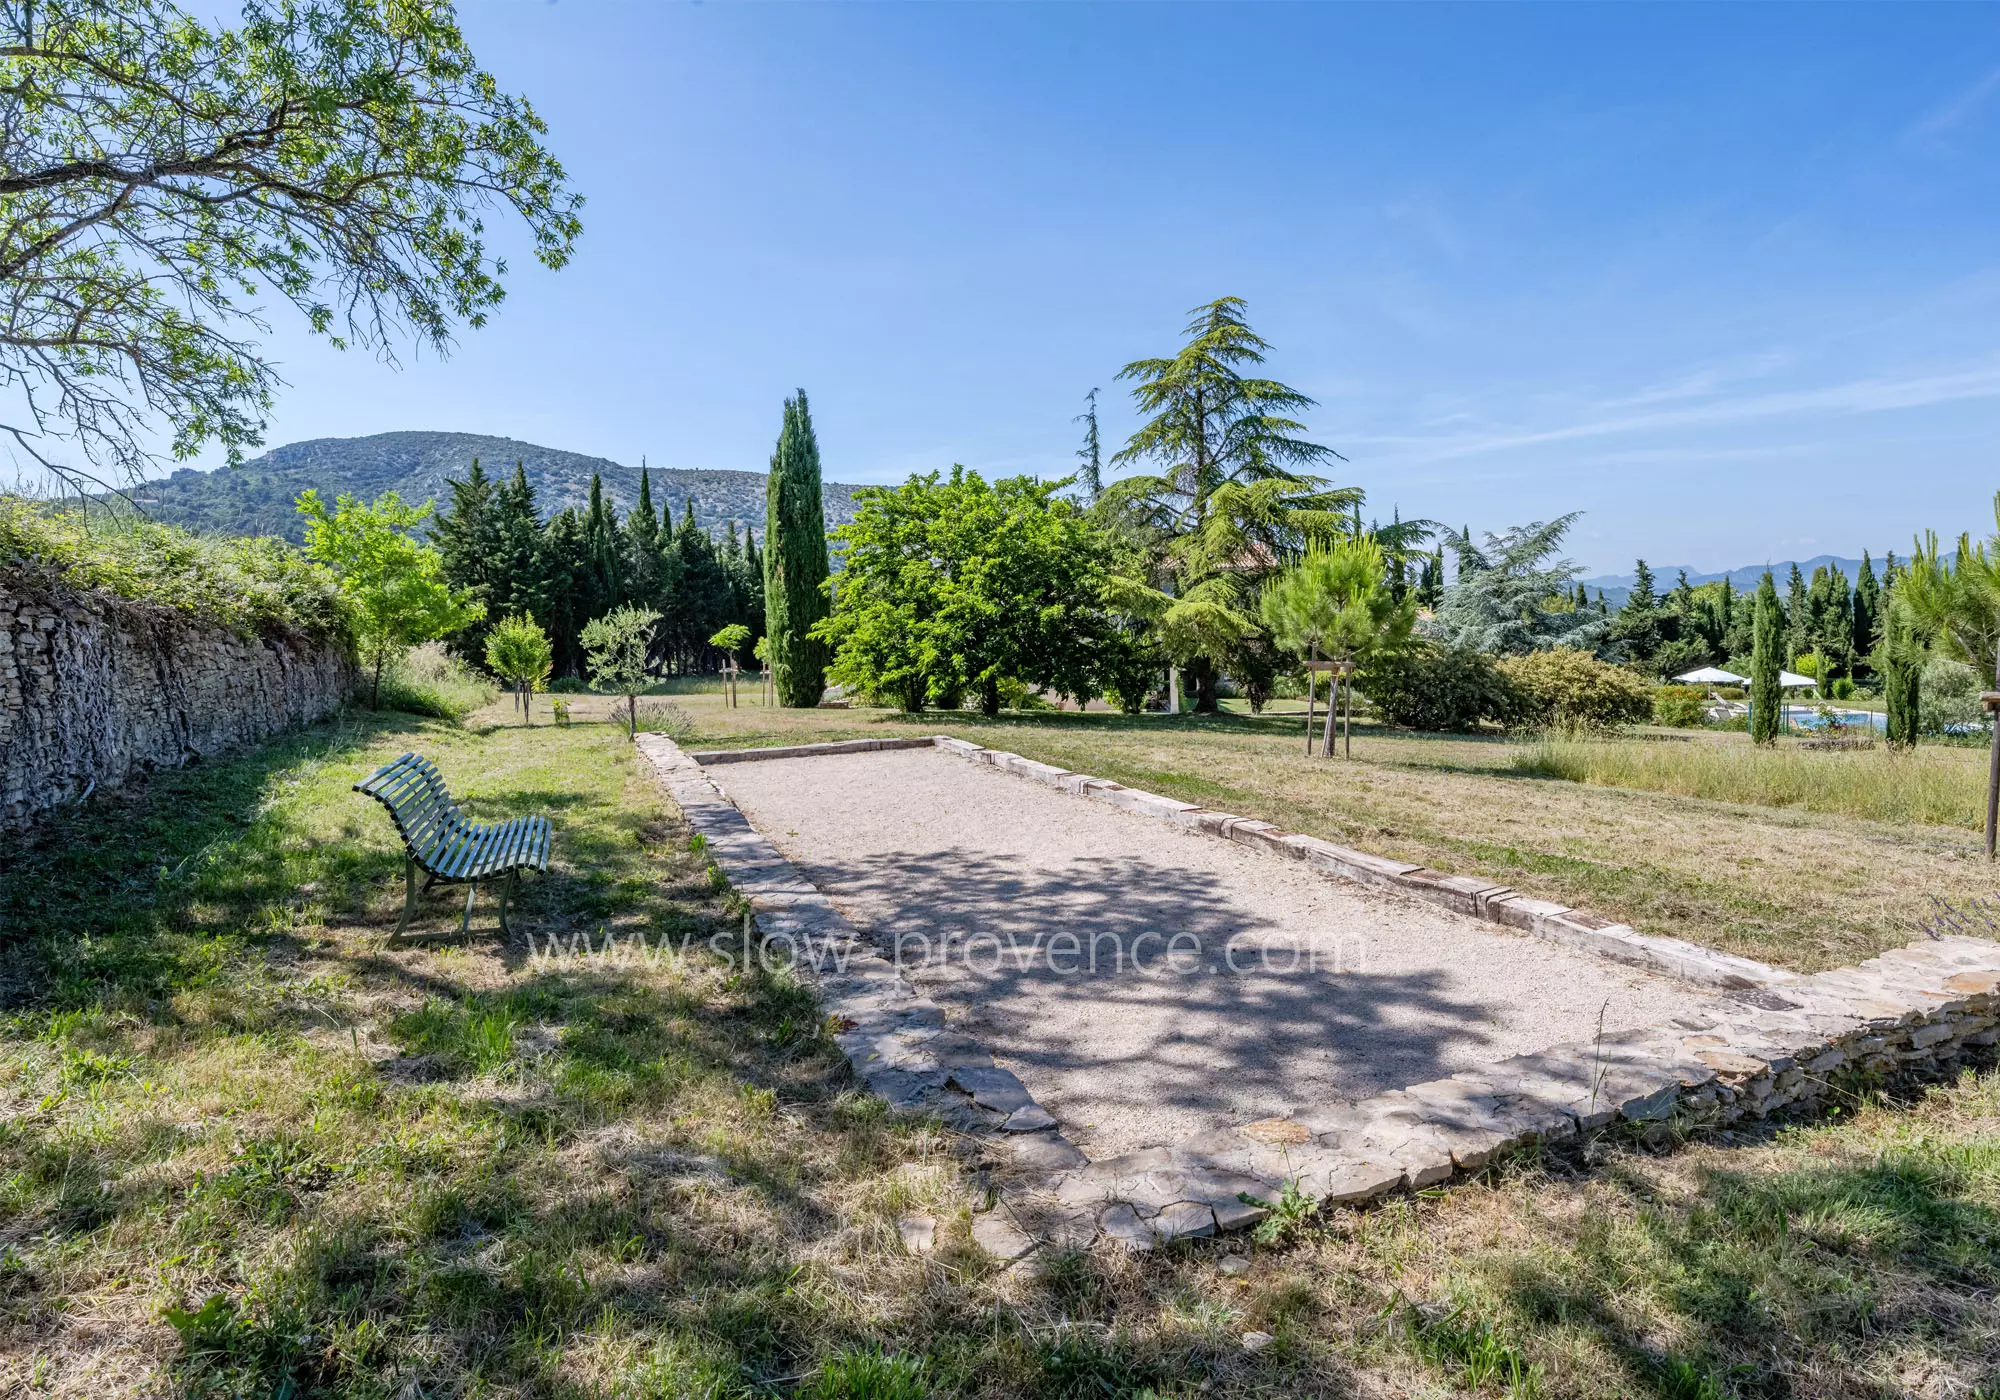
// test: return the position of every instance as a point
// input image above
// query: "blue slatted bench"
(449, 848)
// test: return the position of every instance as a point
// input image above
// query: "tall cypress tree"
(1901, 657)
(602, 544)
(795, 563)
(1766, 699)
(642, 547)
(1867, 611)
(1797, 624)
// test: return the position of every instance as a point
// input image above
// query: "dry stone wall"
(95, 689)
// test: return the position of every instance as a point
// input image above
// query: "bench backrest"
(419, 803)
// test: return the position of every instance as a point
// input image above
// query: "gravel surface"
(1228, 985)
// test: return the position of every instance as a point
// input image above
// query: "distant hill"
(256, 498)
(1618, 587)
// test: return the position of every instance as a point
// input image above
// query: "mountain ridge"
(257, 497)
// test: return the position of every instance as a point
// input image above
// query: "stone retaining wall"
(93, 690)
(1758, 1047)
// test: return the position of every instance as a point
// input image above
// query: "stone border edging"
(1466, 894)
(893, 1035)
(709, 757)
(1923, 1005)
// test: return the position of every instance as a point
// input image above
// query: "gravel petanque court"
(1148, 982)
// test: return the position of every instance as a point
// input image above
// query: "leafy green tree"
(1232, 498)
(1956, 601)
(617, 647)
(159, 169)
(1767, 700)
(1501, 600)
(394, 585)
(951, 585)
(519, 653)
(795, 561)
(1336, 603)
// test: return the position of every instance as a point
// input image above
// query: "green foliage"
(518, 651)
(1956, 600)
(1948, 697)
(1471, 1348)
(1680, 706)
(340, 153)
(1505, 599)
(1427, 685)
(1230, 499)
(795, 562)
(731, 639)
(1569, 689)
(1807, 663)
(1767, 642)
(1335, 603)
(615, 647)
(1294, 1212)
(395, 587)
(951, 585)
(1899, 660)
(254, 585)
(428, 680)
(868, 1375)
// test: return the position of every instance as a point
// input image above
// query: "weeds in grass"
(428, 680)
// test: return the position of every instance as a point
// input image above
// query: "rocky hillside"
(256, 498)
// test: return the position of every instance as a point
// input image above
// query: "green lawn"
(250, 1148)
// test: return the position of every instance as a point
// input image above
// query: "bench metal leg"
(409, 894)
(506, 893)
(465, 924)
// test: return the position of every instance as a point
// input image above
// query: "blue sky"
(1725, 278)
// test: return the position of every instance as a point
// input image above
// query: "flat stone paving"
(1336, 992)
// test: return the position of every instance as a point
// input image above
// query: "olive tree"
(615, 648)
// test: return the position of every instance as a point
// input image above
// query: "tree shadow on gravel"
(1155, 983)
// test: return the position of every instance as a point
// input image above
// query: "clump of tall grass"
(428, 680)
(1928, 786)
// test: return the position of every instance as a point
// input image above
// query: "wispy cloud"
(1959, 110)
(1604, 420)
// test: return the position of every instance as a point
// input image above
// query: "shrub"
(1948, 698)
(1428, 685)
(1568, 688)
(252, 585)
(1680, 706)
(428, 680)
(1843, 689)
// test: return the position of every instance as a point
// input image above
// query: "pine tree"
(469, 544)
(699, 604)
(1638, 625)
(520, 578)
(1766, 699)
(795, 562)
(1091, 474)
(1867, 612)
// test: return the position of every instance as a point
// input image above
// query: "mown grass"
(1925, 787)
(249, 1148)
